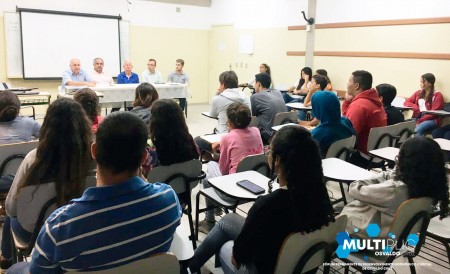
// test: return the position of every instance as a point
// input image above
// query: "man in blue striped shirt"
(121, 220)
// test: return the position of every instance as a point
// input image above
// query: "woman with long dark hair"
(426, 98)
(170, 134)
(420, 172)
(301, 204)
(57, 168)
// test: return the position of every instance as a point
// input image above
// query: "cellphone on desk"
(252, 187)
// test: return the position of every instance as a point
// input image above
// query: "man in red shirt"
(365, 110)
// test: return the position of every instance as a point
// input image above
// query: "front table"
(120, 93)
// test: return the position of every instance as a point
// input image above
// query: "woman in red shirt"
(427, 98)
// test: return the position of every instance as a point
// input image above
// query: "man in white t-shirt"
(151, 75)
(99, 76)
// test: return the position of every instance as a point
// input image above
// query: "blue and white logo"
(381, 246)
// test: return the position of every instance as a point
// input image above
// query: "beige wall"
(270, 46)
(167, 45)
(402, 73)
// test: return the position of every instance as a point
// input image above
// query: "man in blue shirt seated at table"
(127, 76)
(75, 76)
(123, 219)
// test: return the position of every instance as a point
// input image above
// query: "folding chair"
(256, 162)
(182, 177)
(341, 149)
(413, 216)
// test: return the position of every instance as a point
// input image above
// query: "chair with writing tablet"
(285, 118)
(412, 217)
(341, 149)
(11, 156)
(182, 177)
(302, 252)
(257, 162)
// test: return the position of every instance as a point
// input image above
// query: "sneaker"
(205, 226)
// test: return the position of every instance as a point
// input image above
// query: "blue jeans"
(227, 229)
(425, 127)
(19, 231)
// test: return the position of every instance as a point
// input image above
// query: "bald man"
(127, 76)
(75, 76)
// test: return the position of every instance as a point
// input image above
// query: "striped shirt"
(108, 227)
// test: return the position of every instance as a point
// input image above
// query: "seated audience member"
(151, 75)
(146, 95)
(122, 220)
(240, 142)
(259, 237)
(426, 98)
(170, 135)
(266, 103)
(87, 98)
(99, 76)
(127, 76)
(318, 83)
(420, 172)
(227, 94)
(387, 94)
(333, 127)
(363, 108)
(263, 68)
(57, 168)
(15, 128)
(323, 72)
(303, 83)
(75, 76)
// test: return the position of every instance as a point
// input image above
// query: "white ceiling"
(201, 3)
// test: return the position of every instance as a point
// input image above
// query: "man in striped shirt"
(121, 220)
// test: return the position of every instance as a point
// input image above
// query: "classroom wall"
(401, 72)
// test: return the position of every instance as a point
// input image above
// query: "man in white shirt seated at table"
(151, 75)
(99, 76)
(75, 76)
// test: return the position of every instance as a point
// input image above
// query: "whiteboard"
(13, 45)
(14, 61)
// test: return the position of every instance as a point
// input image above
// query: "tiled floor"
(199, 125)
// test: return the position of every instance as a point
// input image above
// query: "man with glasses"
(151, 75)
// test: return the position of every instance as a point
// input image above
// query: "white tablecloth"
(116, 95)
